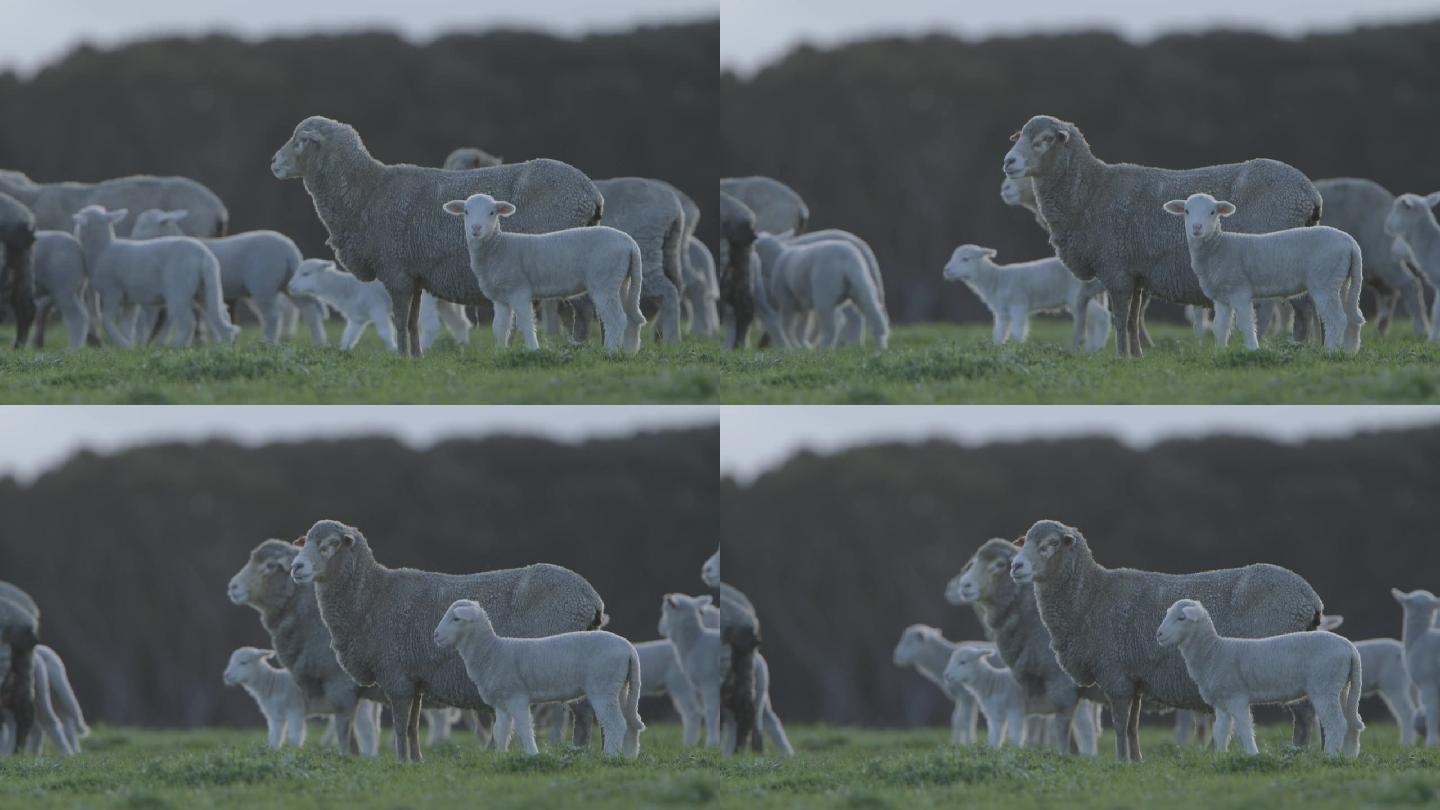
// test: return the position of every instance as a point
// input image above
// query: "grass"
(932, 363)
(834, 767)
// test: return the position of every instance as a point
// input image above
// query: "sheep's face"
(1410, 211)
(306, 279)
(1202, 214)
(265, 579)
(1180, 621)
(965, 262)
(95, 219)
(677, 609)
(1039, 147)
(482, 214)
(298, 153)
(986, 571)
(154, 222)
(244, 665)
(912, 643)
(1423, 601)
(463, 616)
(323, 544)
(710, 571)
(964, 664)
(1019, 192)
(1042, 552)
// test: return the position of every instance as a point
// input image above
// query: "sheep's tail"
(1352, 698)
(222, 223)
(634, 278)
(867, 298)
(632, 697)
(215, 301)
(1353, 317)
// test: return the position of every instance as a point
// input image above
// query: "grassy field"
(933, 363)
(840, 768)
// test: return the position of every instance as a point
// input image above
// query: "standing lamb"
(55, 204)
(778, 208)
(512, 674)
(1236, 269)
(852, 331)
(702, 288)
(1411, 222)
(61, 279)
(360, 303)
(279, 698)
(699, 650)
(1106, 220)
(1102, 626)
(1234, 673)
(1422, 653)
(1359, 207)
(17, 280)
(515, 269)
(814, 280)
(927, 650)
(385, 221)
(1013, 292)
(373, 611)
(1000, 696)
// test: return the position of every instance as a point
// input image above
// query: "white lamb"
(280, 699)
(1382, 660)
(1234, 673)
(813, 280)
(1237, 269)
(1014, 292)
(1422, 653)
(1001, 698)
(361, 303)
(699, 650)
(927, 650)
(511, 674)
(516, 269)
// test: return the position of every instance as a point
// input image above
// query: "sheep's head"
(985, 574)
(154, 222)
(469, 157)
(1018, 192)
(678, 609)
(1184, 618)
(95, 219)
(245, 664)
(265, 579)
(1423, 601)
(1044, 551)
(464, 616)
(306, 278)
(1411, 211)
(1202, 214)
(312, 137)
(913, 642)
(325, 546)
(964, 664)
(965, 262)
(1042, 146)
(482, 214)
(710, 571)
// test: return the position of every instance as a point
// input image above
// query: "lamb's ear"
(988, 252)
(1015, 136)
(1331, 621)
(467, 611)
(703, 600)
(456, 207)
(1176, 207)
(1193, 612)
(505, 209)
(1068, 538)
(76, 218)
(1224, 209)
(174, 216)
(298, 542)
(1020, 541)
(117, 215)
(1432, 199)
(1398, 594)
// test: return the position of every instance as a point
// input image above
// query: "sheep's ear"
(703, 600)
(298, 542)
(670, 600)
(1398, 594)
(76, 218)
(1020, 541)
(1068, 538)
(1062, 135)
(1193, 612)
(117, 215)
(1176, 207)
(456, 207)
(1432, 199)
(1224, 209)
(988, 252)
(505, 209)
(1015, 136)
(348, 537)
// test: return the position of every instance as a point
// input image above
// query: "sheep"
(778, 208)
(435, 314)
(1102, 627)
(1359, 208)
(61, 696)
(470, 157)
(650, 212)
(1000, 696)
(17, 280)
(737, 248)
(511, 674)
(173, 270)
(385, 221)
(710, 570)
(361, 303)
(372, 612)
(279, 698)
(853, 330)
(815, 279)
(927, 650)
(60, 273)
(1106, 220)
(1013, 292)
(702, 288)
(662, 674)
(1236, 268)
(254, 265)
(1421, 641)
(1012, 618)
(55, 204)
(740, 634)
(19, 634)
(49, 723)
(698, 649)
(1234, 673)
(1416, 242)
(514, 269)
(291, 616)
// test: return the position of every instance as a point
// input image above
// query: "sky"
(756, 32)
(36, 32)
(35, 439)
(756, 439)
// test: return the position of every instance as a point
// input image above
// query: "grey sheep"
(1106, 219)
(1359, 207)
(778, 208)
(385, 221)
(17, 279)
(470, 157)
(651, 213)
(1102, 621)
(55, 203)
(378, 618)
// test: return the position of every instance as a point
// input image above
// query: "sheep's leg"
(504, 318)
(401, 289)
(1133, 729)
(1221, 325)
(1304, 318)
(550, 316)
(1141, 332)
(1302, 714)
(412, 730)
(1430, 700)
(1015, 727)
(524, 726)
(343, 722)
(1019, 325)
(1064, 718)
(1079, 310)
(584, 714)
(1134, 322)
(1120, 301)
(1435, 319)
(295, 728)
(1184, 725)
(582, 313)
(503, 722)
(1002, 328)
(275, 731)
(1245, 319)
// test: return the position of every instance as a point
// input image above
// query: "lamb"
(385, 221)
(740, 694)
(815, 279)
(651, 214)
(50, 725)
(435, 314)
(1411, 224)
(440, 722)
(999, 695)
(1359, 208)
(514, 269)
(662, 674)
(372, 612)
(60, 279)
(702, 288)
(1013, 292)
(1234, 673)
(511, 674)
(853, 330)
(279, 698)
(470, 157)
(1106, 221)
(1102, 627)
(60, 696)
(927, 650)
(737, 297)
(55, 204)
(291, 616)
(1235, 269)
(173, 270)
(1422, 653)
(778, 208)
(17, 280)
(698, 649)
(361, 303)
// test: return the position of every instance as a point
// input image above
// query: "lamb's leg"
(958, 717)
(343, 722)
(312, 313)
(1397, 699)
(995, 723)
(1332, 318)
(1304, 318)
(612, 318)
(503, 725)
(1002, 328)
(110, 307)
(353, 330)
(1243, 725)
(275, 731)
(1064, 718)
(1245, 319)
(1019, 325)
(1430, 700)
(583, 714)
(1435, 319)
(550, 316)
(265, 303)
(711, 699)
(612, 722)
(668, 319)
(182, 315)
(1302, 717)
(77, 320)
(692, 714)
(525, 324)
(825, 314)
(386, 330)
(1015, 726)
(295, 728)
(1079, 310)
(504, 318)
(524, 726)
(1385, 301)
(1221, 324)
(582, 313)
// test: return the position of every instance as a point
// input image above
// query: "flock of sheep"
(1068, 636)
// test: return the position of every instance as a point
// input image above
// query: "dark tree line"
(641, 102)
(129, 554)
(839, 553)
(901, 140)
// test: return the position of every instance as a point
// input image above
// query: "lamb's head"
(324, 550)
(1043, 146)
(966, 262)
(265, 579)
(94, 219)
(1018, 192)
(245, 664)
(482, 214)
(1184, 618)
(986, 574)
(1423, 602)
(679, 610)
(153, 222)
(463, 617)
(1411, 211)
(710, 571)
(470, 157)
(1202, 214)
(913, 642)
(1046, 551)
(313, 139)
(306, 278)
(965, 664)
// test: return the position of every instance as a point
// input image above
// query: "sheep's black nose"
(1009, 161)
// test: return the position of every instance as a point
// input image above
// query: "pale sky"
(36, 32)
(756, 439)
(35, 439)
(756, 32)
